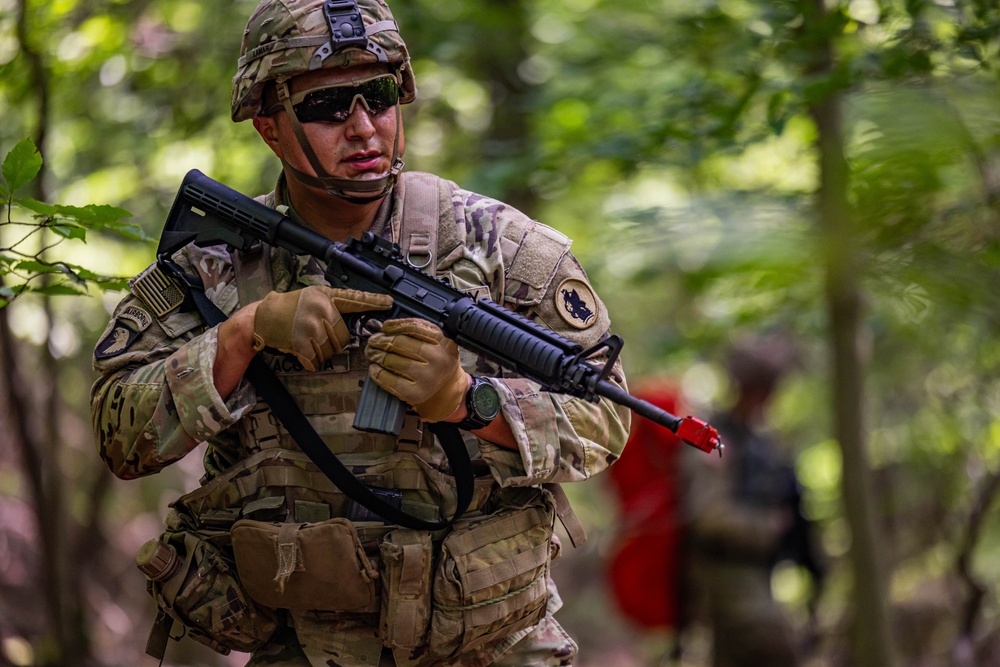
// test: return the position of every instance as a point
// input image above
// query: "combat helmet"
(284, 38)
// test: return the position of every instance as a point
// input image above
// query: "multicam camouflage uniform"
(155, 401)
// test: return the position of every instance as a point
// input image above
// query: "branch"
(988, 491)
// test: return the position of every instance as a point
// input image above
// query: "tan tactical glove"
(307, 322)
(414, 361)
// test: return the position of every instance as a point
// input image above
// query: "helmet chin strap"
(356, 191)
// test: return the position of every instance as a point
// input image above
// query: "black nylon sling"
(284, 407)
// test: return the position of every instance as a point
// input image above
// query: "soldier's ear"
(267, 128)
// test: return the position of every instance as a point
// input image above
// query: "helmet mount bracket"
(346, 27)
(347, 30)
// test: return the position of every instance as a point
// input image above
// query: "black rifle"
(206, 212)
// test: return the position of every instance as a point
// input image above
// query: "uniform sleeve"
(155, 399)
(561, 438)
(496, 251)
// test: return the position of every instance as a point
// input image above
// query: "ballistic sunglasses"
(335, 104)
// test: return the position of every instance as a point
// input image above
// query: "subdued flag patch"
(157, 290)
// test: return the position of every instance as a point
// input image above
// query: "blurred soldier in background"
(742, 516)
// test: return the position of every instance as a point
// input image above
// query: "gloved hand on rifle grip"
(308, 324)
(414, 361)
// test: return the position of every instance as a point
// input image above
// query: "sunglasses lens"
(335, 104)
(381, 94)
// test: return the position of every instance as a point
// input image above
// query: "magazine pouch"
(407, 558)
(491, 579)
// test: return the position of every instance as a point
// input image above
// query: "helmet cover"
(284, 38)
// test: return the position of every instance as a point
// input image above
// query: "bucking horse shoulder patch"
(576, 303)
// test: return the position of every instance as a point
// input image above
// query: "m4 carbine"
(206, 212)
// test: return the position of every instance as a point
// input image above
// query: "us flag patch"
(157, 290)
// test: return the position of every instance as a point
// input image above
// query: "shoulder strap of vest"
(253, 267)
(253, 273)
(567, 517)
(426, 209)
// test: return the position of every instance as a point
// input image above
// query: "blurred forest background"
(829, 169)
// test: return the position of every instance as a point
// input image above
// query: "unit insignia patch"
(576, 303)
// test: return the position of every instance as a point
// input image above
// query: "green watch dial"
(484, 401)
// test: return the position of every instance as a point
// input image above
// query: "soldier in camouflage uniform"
(268, 556)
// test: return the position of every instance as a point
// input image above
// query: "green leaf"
(70, 231)
(70, 271)
(38, 207)
(87, 274)
(61, 289)
(113, 282)
(128, 230)
(39, 268)
(95, 215)
(34, 266)
(8, 294)
(22, 164)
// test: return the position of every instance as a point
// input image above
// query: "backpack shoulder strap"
(427, 225)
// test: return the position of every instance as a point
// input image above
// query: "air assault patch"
(129, 323)
(157, 290)
(576, 303)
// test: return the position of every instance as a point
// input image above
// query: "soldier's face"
(359, 147)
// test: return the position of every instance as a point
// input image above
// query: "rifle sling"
(284, 407)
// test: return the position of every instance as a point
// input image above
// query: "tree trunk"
(495, 63)
(35, 409)
(871, 625)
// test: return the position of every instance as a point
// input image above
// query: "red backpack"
(644, 568)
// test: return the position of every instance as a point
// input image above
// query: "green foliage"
(25, 246)
(669, 139)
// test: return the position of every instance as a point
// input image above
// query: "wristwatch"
(482, 401)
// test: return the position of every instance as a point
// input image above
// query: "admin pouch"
(491, 579)
(288, 565)
(195, 584)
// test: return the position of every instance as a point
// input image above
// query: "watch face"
(485, 400)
